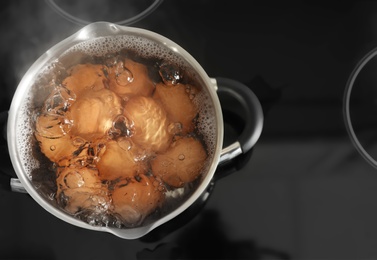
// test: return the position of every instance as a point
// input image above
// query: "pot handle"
(8, 179)
(252, 115)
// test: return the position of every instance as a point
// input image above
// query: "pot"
(21, 119)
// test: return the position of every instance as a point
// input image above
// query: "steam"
(31, 28)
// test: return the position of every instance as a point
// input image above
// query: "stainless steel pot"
(19, 118)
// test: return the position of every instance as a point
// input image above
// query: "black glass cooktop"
(303, 192)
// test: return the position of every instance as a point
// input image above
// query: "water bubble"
(111, 61)
(170, 74)
(125, 144)
(91, 220)
(118, 223)
(175, 128)
(181, 157)
(51, 126)
(78, 141)
(105, 219)
(60, 70)
(124, 78)
(94, 153)
(121, 127)
(80, 182)
(66, 125)
(158, 185)
(59, 101)
(51, 196)
(140, 156)
(109, 98)
(190, 91)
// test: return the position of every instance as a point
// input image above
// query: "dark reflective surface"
(303, 192)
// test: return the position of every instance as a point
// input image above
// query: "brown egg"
(58, 101)
(55, 143)
(80, 189)
(136, 198)
(62, 151)
(51, 126)
(92, 114)
(119, 161)
(129, 78)
(181, 163)
(178, 104)
(150, 124)
(84, 77)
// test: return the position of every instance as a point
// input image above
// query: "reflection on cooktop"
(205, 239)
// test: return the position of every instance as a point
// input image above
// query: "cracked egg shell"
(130, 78)
(118, 162)
(136, 198)
(81, 189)
(150, 124)
(181, 163)
(85, 77)
(92, 115)
(178, 104)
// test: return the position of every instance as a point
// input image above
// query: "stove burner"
(86, 12)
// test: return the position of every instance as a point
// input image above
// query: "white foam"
(144, 47)
(24, 134)
(206, 121)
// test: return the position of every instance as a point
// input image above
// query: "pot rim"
(91, 31)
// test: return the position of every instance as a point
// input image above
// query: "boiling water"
(101, 147)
